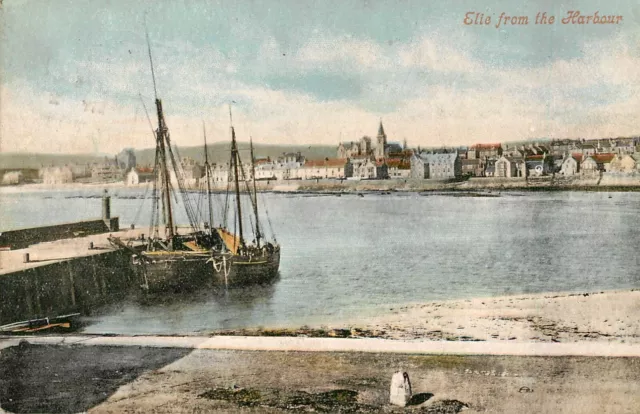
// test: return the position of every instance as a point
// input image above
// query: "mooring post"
(400, 392)
(106, 206)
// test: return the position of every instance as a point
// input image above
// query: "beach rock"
(400, 392)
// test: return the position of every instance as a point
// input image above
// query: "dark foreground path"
(71, 379)
(102, 379)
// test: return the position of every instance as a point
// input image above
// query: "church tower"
(381, 142)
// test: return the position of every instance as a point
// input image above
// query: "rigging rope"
(144, 198)
(191, 215)
(155, 213)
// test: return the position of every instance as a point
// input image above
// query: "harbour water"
(348, 256)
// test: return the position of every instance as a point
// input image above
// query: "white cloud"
(435, 53)
(568, 98)
(328, 50)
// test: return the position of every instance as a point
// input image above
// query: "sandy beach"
(611, 317)
(603, 317)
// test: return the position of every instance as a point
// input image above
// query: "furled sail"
(231, 241)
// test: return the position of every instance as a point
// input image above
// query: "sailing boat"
(175, 260)
(188, 260)
(241, 263)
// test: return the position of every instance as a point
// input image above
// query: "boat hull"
(179, 272)
(173, 273)
(238, 270)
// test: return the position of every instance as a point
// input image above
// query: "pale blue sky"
(313, 72)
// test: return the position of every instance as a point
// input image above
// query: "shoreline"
(604, 317)
(608, 182)
(601, 318)
(112, 373)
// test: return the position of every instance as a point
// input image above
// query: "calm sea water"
(348, 256)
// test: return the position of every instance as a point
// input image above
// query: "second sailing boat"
(239, 262)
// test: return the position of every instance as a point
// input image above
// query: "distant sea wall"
(66, 286)
(604, 182)
(18, 239)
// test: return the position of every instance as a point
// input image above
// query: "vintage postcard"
(338, 206)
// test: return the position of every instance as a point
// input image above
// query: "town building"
(398, 168)
(560, 147)
(482, 151)
(12, 178)
(587, 149)
(333, 168)
(291, 157)
(490, 168)
(596, 163)
(192, 171)
(571, 165)
(436, 166)
(57, 175)
(473, 167)
(106, 171)
(364, 147)
(509, 167)
(140, 175)
(624, 146)
(589, 166)
(355, 149)
(289, 170)
(624, 164)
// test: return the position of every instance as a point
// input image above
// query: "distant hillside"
(20, 160)
(218, 152)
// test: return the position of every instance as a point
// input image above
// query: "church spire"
(381, 129)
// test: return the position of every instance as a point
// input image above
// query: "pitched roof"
(603, 158)
(331, 162)
(398, 163)
(486, 146)
(438, 158)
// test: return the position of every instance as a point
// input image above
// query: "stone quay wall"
(65, 286)
(21, 238)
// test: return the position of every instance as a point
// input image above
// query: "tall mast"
(255, 193)
(208, 171)
(234, 159)
(161, 136)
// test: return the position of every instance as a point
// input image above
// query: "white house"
(327, 168)
(137, 176)
(57, 175)
(12, 178)
(571, 165)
